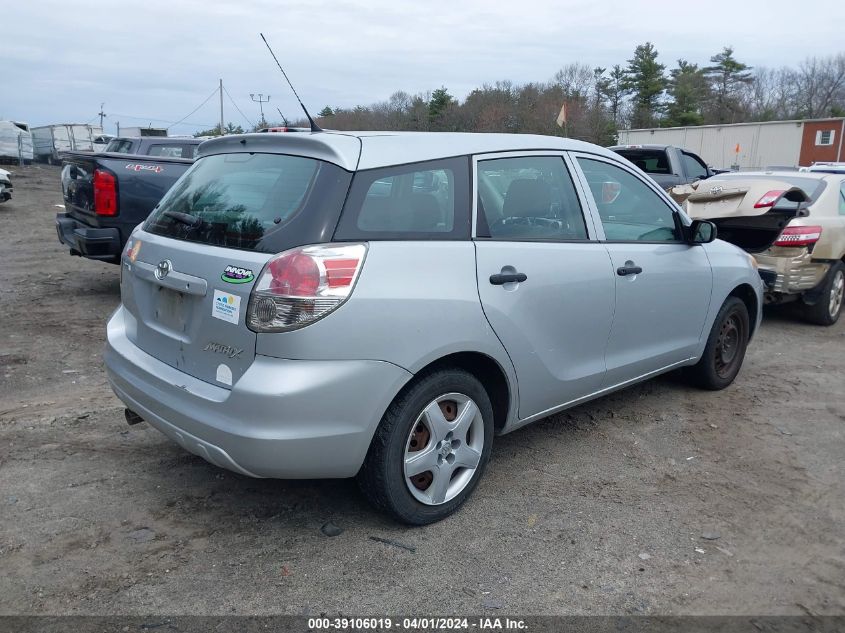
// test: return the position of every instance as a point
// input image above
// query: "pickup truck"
(667, 165)
(106, 195)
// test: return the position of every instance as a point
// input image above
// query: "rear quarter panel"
(825, 213)
(414, 303)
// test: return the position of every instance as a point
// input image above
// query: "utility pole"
(261, 101)
(101, 114)
(222, 125)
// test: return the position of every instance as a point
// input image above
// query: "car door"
(545, 282)
(663, 283)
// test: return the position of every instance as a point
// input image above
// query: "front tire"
(828, 307)
(430, 448)
(725, 349)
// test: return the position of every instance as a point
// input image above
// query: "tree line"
(598, 101)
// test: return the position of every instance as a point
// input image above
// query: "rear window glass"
(417, 201)
(651, 161)
(252, 201)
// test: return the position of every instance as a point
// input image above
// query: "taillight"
(799, 236)
(304, 284)
(105, 193)
(769, 198)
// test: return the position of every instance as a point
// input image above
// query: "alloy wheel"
(444, 448)
(837, 290)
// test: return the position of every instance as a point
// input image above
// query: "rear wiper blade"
(184, 218)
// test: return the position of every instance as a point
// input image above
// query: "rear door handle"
(503, 278)
(628, 270)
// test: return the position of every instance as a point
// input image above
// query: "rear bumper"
(93, 243)
(791, 275)
(290, 419)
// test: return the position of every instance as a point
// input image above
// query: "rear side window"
(419, 201)
(263, 202)
(172, 151)
(119, 146)
(651, 161)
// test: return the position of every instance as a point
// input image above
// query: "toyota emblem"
(715, 191)
(163, 269)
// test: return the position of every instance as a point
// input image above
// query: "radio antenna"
(314, 126)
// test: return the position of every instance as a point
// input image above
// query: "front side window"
(630, 210)
(530, 197)
(245, 200)
(417, 201)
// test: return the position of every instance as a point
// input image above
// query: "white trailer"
(141, 131)
(50, 140)
(738, 146)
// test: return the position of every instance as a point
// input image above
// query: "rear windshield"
(651, 161)
(262, 202)
(813, 187)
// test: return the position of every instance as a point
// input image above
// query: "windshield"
(243, 200)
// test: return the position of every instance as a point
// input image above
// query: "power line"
(237, 108)
(207, 99)
(146, 118)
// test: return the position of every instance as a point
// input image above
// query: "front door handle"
(503, 278)
(628, 270)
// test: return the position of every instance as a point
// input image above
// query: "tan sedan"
(794, 225)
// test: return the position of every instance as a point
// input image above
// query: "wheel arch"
(488, 371)
(746, 294)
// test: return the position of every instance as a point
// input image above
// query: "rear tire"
(725, 349)
(430, 448)
(828, 307)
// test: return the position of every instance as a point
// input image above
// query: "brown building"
(821, 141)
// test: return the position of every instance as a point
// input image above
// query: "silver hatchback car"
(381, 305)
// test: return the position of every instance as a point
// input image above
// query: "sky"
(154, 62)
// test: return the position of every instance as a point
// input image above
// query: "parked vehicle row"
(381, 305)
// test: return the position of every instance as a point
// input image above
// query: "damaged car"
(793, 223)
(5, 185)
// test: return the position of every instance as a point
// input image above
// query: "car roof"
(368, 150)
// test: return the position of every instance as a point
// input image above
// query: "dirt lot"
(603, 509)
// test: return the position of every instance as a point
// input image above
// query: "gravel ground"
(657, 500)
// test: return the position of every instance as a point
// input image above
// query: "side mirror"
(702, 232)
(73, 172)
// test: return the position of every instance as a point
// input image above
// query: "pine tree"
(727, 76)
(644, 78)
(689, 89)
